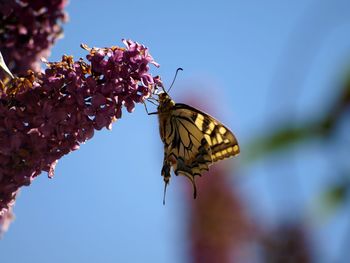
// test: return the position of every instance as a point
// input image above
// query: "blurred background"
(276, 73)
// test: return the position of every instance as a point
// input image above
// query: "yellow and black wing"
(193, 140)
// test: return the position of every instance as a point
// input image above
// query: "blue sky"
(257, 63)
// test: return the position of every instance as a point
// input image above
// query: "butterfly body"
(192, 139)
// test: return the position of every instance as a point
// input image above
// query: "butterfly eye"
(162, 96)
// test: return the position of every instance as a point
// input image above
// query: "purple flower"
(28, 30)
(45, 116)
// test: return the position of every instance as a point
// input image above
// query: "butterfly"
(193, 140)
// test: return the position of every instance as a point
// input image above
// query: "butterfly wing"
(193, 140)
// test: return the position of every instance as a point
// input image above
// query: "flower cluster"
(44, 116)
(28, 30)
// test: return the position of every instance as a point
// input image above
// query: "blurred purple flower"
(44, 116)
(219, 228)
(287, 243)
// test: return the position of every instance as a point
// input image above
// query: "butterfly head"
(164, 97)
(165, 102)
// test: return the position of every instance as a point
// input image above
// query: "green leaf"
(283, 138)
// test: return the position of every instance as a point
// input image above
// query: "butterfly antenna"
(172, 83)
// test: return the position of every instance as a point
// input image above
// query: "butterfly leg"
(149, 113)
